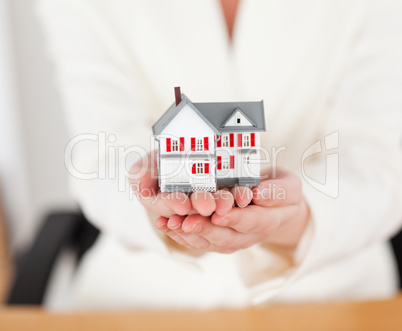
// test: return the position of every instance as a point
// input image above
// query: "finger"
(224, 201)
(285, 189)
(190, 236)
(168, 204)
(242, 195)
(161, 225)
(255, 219)
(175, 222)
(203, 202)
(143, 175)
(220, 237)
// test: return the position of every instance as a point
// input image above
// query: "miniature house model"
(205, 145)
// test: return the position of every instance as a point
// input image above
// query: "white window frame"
(225, 140)
(199, 144)
(238, 118)
(175, 145)
(246, 140)
(200, 168)
(246, 160)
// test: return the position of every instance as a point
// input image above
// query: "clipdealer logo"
(330, 186)
(112, 160)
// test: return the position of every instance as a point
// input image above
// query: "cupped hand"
(225, 221)
(143, 180)
(277, 216)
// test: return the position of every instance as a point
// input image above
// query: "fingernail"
(144, 192)
(196, 228)
(222, 221)
(240, 206)
(159, 224)
(260, 194)
(256, 194)
(139, 188)
(173, 224)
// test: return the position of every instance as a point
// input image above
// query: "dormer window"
(238, 118)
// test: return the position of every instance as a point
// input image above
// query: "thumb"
(143, 175)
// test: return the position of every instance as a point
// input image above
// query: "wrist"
(289, 234)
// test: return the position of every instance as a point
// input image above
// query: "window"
(200, 168)
(225, 163)
(238, 118)
(200, 144)
(246, 140)
(247, 160)
(175, 145)
(225, 141)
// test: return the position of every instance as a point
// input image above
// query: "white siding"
(177, 170)
(240, 169)
(187, 124)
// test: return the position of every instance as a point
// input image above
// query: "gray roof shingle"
(216, 114)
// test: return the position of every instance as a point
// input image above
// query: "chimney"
(177, 94)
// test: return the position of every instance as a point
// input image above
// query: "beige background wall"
(32, 132)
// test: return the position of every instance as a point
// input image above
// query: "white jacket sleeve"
(366, 115)
(104, 101)
(360, 203)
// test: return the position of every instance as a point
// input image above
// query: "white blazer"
(329, 71)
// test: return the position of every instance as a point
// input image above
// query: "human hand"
(278, 216)
(144, 182)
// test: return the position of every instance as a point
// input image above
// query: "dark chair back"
(59, 231)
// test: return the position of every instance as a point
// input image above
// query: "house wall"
(187, 124)
(176, 166)
(240, 169)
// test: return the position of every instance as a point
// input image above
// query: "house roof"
(216, 114)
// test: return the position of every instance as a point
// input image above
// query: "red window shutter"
(239, 140)
(232, 140)
(219, 142)
(219, 163)
(193, 144)
(207, 168)
(181, 144)
(206, 147)
(193, 168)
(168, 144)
(231, 161)
(252, 138)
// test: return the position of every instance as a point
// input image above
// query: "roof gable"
(173, 110)
(238, 118)
(187, 123)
